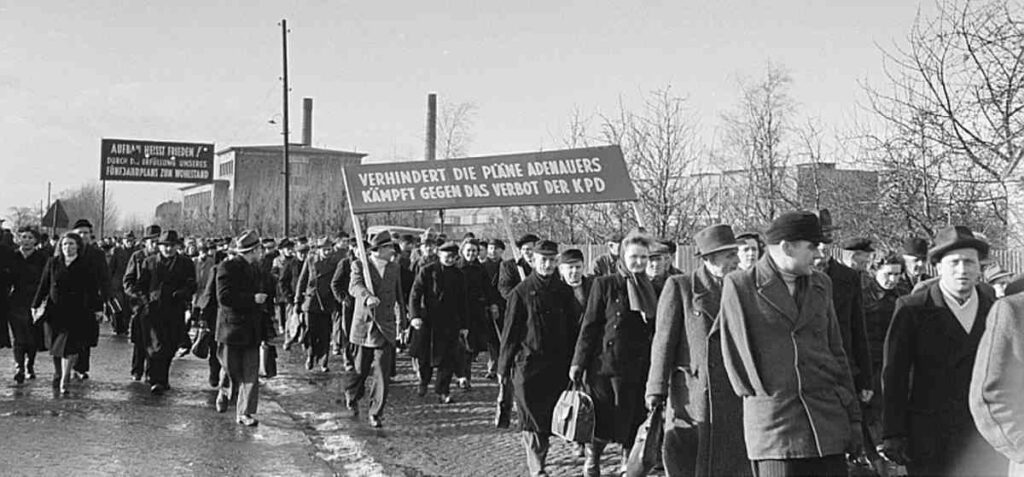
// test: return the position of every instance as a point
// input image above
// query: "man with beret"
(140, 362)
(605, 263)
(857, 253)
(437, 308)
(165, 284)
(929, 357)
(915, 252)
(686, 367)
(97, 261)
(537, 342)
(514, 271)
(313, 294)
(377, 317)
(659, 264)
(783, 352)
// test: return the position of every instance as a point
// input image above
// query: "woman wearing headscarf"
(70, 293)
(614, 349)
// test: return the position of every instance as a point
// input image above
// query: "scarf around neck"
(640, 292)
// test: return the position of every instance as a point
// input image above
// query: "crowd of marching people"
(773, 357)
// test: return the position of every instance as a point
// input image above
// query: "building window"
(227, 168)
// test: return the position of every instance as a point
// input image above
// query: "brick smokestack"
(307, 122)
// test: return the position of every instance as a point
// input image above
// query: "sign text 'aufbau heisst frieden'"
(155, 161)
(570, 176)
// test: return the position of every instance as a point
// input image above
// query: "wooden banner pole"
(357, 228)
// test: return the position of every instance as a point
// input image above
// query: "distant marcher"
(606, 263)
(857, 253)
(483, 336)
(139, 361)
(570, 268)
(437, 310)
(659, 264)
(97, 261)
(751, 247)
(29, 264)
(513, 271)
(915, 253)
(317, 301)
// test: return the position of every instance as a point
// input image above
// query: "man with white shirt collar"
(929, 356)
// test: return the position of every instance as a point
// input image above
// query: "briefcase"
(268, 361)
(573, 418)
(645, 452)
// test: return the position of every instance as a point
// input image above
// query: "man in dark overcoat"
(704, 432)
(929, 357)
(848, 301)
(783, 352)
(165, 283)
(140, 363)
(513, 271)
(314, 295)
(570, 269)
(340, 283)
(915, 254)
(437, 311)
(97, 260)
(537, 343)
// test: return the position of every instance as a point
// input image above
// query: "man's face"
(858, 259)
(544, 265)
(288, 252)
(26, 240)
(407, 247)
(913, 265)
(85, 233)
(721, 263)
(323, 252)
(800, 256)
(657, 265)
(572, 272)
(150, 245)
(959, 270)
(821, 261)
(527, 251)
(747, 252)
(470, 252)
(447, 258)
(494, 252)
(635, 258)
(301, 255)
(888, 276)
(384, 253)
(269, 247)
(167, 249)
(613, 247)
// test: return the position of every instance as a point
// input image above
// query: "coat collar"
(965, 343)
(773, 290)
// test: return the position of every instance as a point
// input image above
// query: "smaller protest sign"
(155, 161)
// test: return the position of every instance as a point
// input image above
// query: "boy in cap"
(930, 351)
(800, 411)
(437, 308)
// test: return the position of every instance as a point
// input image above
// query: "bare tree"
(23, 216)
(454, 129)
(86, 202)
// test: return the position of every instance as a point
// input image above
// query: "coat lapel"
(772, 289)
(812, 300)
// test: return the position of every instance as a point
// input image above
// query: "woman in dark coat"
(437, 307)
(614, 348)
(69, 291)
(28, 337)
(537, 342)
(479, 297)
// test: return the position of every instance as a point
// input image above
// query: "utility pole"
(284, 79)
(431, 153)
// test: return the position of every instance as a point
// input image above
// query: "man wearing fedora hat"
(915, 254)
(376, 319)
(139, 363)
(165, 284)
(316, 299)
(929, 357)
(244, 295)
(686, 367)
(783, 352)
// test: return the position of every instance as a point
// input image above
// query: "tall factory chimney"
(307, 122)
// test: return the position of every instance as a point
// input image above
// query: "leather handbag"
(573, 418)
(646, 451)
(201, 342)
(268, 361)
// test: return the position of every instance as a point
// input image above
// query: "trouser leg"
(425, 370)
(536, 447)
(82, 363)
(249, 385)
(592, 458)
(382, 359)
(355, 389)
(445, 372)
(337, 332)
(138, 359)
(159, 369)
(19, 359)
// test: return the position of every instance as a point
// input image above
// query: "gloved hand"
(894, 449)
(866, 395)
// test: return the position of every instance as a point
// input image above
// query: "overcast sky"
(208, 70)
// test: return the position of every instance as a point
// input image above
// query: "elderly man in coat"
(379, 314)
(686, 367)
(783, 352)
(437, 307)
(997, 382)
(315, 297)
(537, 342)
(166, 282)
(929, 356)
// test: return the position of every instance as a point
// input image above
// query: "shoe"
(31, 373)
(222, 403)
(158, 388)
(248, 421)
(19, 377)
(214, 382)
(324, 369)
(375, 422)
(352, 405)
(64, 389)
(421, 390)
(446, 399)
(336, 351)
(464, 384)
(309, 363)
(136, 377)
(80, 376)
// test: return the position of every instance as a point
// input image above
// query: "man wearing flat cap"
(915, 254)
(659, 264)
(165, 284)
(929, 357)
(857, 253)
(783, 352)
(570, 268)
(537, 342)
(686, 367)
(605, 263)
(316, 300)
(437, 310)
(514, 271)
